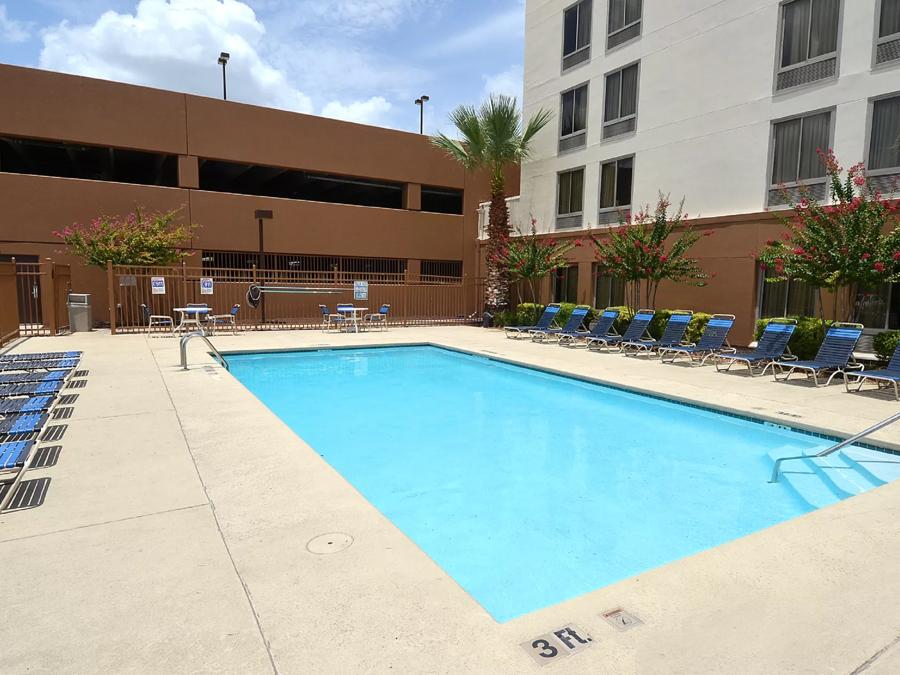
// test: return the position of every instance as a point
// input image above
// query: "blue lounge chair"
(18, 378)
(889, 375)
(673, 335)
(714, 341)
(15, 458)
(51, 364)
(573, 325)
(546, 321)
(39, 356)
(834, 355)
(28, 423)
(30, 388)
(635, 331)
(602, 327)
(771, 348)
(14, 406)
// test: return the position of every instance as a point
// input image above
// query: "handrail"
(200, 334)
(834, 448)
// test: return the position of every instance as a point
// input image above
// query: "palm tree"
(491, 138)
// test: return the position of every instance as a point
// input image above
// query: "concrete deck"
(173, 540)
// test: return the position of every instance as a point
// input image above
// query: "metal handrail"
(200, 334)
(836, 447)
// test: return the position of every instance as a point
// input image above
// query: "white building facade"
(718, 101)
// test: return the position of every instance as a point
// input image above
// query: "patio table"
(354, 313)
(190, 316)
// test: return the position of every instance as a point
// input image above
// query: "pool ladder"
(200, 334)
(834, 448)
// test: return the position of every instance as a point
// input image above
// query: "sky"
(359, 60)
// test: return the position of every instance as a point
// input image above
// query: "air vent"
(568, 222)
(784, 197)
(623, 36)
(576, 58)
(886, 184)
(573, 142)
(619, 128)
(888, 51)
(820, 70)
(611, 217)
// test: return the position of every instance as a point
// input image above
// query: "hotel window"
(620, 103)
(887, 45)
(879, 308)
(615, 189)
(884, 145)
(573, 118)
(786, 298)
(576, 34)
(624, 22)
(565, 284)
(809, 42)
(570, 198)
(608, 291)
(796, 165)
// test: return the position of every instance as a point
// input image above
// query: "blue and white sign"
(360, 290)
(158, 285)
(206, 286)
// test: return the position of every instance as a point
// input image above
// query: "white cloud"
(349, 16)
(509, 82)
(507, 26)
(174, 44)
(372, 111)
(10, 29)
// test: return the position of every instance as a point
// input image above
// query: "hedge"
(806, 338)
(885, 343)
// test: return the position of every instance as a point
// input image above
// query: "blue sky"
(362, 60)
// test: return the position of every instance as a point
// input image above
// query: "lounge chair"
(672, 336)
(887, 376)
(52, 364)
(601, 328)
(635, 331)
(229, 319)
(771, 348)
(39, 356)
(330, 320)
(834, 355)
(714, 341)
(378, 318)
(156, 320)
(16, 406)
(15, 459)
(31, 388)
(24, 423)
(546, 321)
(34, 376)
(573, 324)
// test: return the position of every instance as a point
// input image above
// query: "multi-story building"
(336, 195)
(719, 101)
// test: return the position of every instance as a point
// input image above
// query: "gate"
(41, 293)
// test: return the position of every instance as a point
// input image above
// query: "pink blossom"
(859, 181)
(866, 256)
(896, 255)
(878, 267)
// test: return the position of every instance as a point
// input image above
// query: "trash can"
(81, 315)
(487, 320)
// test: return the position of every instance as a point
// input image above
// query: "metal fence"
(137, 292)
(40, 297)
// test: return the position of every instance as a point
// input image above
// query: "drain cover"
(330, 542)
(620, 619)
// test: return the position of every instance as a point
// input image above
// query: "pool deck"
(174, 539)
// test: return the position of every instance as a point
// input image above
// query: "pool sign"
(551, 647)
(158, 285)
(206, 286)
(360, 290)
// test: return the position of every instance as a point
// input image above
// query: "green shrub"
(565, 310)
(624, 318)
(528, 313)
(806, 338)
(694, 330)
(885, 343)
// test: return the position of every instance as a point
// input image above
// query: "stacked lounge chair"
(834, 355)
(887, 376)
(771, 348)
(673, 335)
(574, 324)
(714, 341)
(546, 321)
(635, 331)
(602, 327)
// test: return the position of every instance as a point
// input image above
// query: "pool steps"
(820, 481)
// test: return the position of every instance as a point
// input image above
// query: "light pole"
(223, 59)
(421, 103)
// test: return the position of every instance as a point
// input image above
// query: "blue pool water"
(527, 488)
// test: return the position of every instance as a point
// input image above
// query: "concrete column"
(413, 271)
(412, 197)
(188, 172)
(586, 283)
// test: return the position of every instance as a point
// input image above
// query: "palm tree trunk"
(497, 282)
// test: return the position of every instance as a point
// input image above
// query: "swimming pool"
(527, 488)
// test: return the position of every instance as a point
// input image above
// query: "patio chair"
(771, 348)
(50, 364)
(546, 321)
(378, 318)
(15, 459)
(21, 424)
(601, 328)
(330, 320)
(835, 354)
(31, 388)
(887, 376)
(160, 320)
(39, 356)
(573, 325)
(673, 335)
(714, 341)
(34, 376)
(635, 331)
(224, 320)
(17, 406)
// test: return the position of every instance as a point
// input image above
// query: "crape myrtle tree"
(140, 238)
(648, 248)
(492, 138)
(529, 258)
(848, 247)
